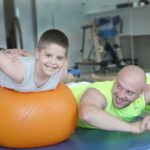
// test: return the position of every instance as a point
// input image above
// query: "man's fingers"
(145, 124)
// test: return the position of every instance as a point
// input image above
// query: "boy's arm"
(12, 67)
(92, 111)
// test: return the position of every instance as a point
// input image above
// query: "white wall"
(102, 5)
(65, 15)
(25, 14)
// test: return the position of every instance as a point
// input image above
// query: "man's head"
(129, 85)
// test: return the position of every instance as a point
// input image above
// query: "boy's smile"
(51, 59)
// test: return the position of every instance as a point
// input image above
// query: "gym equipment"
(106, 55)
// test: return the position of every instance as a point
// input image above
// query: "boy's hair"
(53, 36)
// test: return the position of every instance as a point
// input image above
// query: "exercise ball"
(36, 119)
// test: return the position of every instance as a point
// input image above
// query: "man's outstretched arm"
(92, 111)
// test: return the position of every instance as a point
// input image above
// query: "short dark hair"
(53, 36)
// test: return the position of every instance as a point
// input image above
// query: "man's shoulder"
(104, 87)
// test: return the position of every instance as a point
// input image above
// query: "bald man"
(113, 105)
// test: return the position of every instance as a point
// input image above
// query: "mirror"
(134, 38)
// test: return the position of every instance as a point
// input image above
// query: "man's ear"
(147, 94)
(146, 87)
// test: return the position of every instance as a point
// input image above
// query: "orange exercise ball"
(36, 119)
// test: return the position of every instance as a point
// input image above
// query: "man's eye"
(130, 93)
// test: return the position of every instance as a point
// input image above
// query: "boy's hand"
(17, 52)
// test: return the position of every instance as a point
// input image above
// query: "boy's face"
(51, 59)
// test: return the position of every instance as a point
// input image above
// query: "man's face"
(124, 92)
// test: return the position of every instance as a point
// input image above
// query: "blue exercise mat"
(88, 139)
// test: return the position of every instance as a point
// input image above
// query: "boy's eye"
(48, 55)
(60, 58)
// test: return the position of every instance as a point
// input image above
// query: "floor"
(86, 139)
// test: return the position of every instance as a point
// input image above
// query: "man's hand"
(141, 126)
(145, 123)
(137, 127)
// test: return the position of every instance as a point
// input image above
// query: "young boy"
(39, 73)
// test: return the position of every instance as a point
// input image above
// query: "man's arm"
(11, 67)
(92, 111)
(145, 125)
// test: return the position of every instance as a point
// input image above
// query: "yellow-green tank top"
(105, 87)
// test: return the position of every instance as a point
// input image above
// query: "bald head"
(129, 85)
(133, 74)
